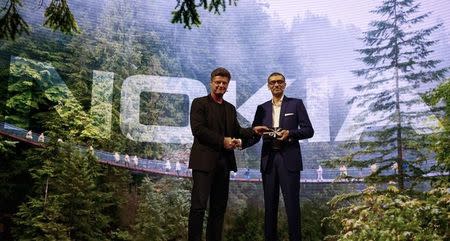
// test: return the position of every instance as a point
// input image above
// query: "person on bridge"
(178, 167)
(319, 173)
(167, 166)
(281, 160)
(216, 134)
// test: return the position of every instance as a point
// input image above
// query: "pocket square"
(288, 114)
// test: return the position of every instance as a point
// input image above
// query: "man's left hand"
(283, 135)
(260, 129)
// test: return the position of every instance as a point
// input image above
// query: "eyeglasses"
(279, 82)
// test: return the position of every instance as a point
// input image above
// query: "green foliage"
(74, 123)
(71, 201)
(163, 109)
(149, 215)
(39, 220)
(118, 46)
(34, 92)
(6, 146)
(59, 17)
(11, 23)
(15, 180)
(247, 225)
(187, 13)
(392, 215)
(441, 139)
(163, 210)
(312, 213)
(23, 94)
(121, 235)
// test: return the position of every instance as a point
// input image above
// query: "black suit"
(211, 164)
(280, 167)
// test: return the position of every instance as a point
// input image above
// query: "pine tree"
(163, 210)
(150, 216)
(68, 203)
(41, 220)
(399, 68)
(15, 181)
(247, 225)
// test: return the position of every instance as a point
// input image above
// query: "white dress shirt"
(276, 109)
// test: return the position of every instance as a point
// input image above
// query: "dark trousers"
(212, 185)
(275, 176)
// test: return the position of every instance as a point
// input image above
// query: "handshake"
(232, 143)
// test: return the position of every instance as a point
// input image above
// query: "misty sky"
(345, 11)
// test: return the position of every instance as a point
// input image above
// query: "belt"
(277, 145)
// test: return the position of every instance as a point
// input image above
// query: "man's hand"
(283, 135)
(229, 143)
(260, 129)
(237, 143)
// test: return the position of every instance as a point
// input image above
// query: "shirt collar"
(281, 101)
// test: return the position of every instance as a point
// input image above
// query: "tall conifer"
(399, 68)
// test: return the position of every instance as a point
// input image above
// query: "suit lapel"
(269, 109)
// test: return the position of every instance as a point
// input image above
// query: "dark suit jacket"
(293, 117)
(208, 143)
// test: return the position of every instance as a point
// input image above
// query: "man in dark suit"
(216, 132)
(281, 160)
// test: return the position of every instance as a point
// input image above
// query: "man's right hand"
(260, 129)
(228, 143)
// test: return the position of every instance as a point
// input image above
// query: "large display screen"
(134, 74)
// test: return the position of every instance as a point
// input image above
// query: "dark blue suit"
(281, 167)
